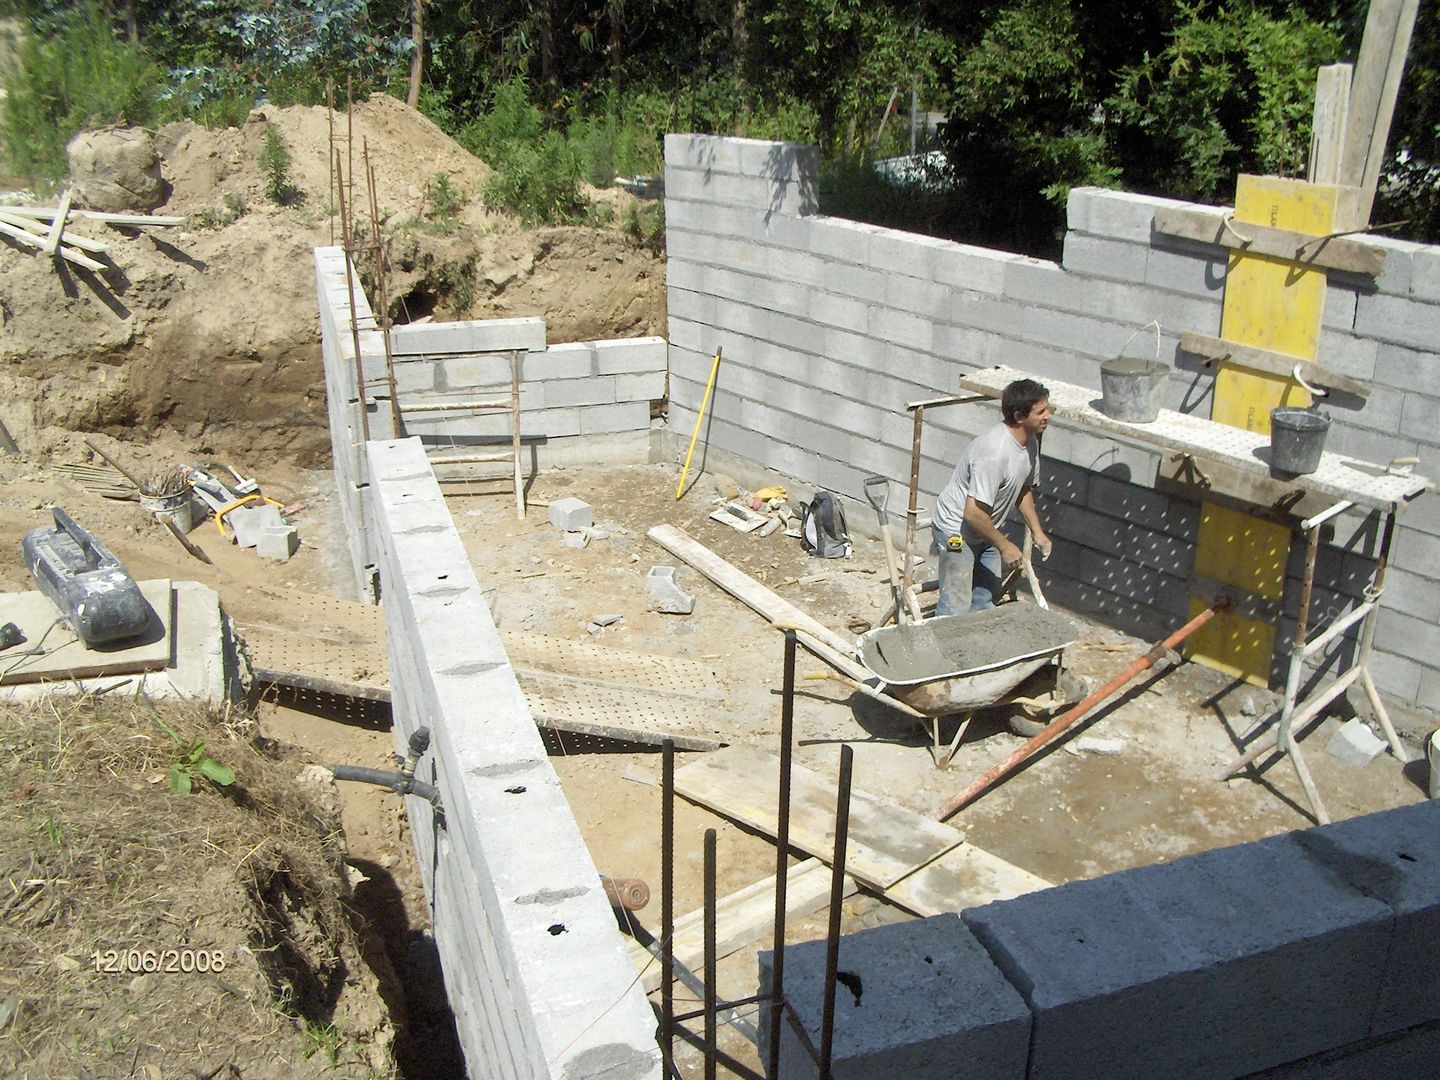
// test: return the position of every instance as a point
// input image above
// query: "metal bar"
(782, 852)
(330, 142)
(471, 459)
(515, 432)
(667, 906)
(724, 1006)
(800, 1033)
(711, 975)
(953, 399)
(912, 511)
(732, 1065)
(1367, 637)
(837, 898)
(350, 285)
(1338, 627)
(1020, 756)
(382, 287)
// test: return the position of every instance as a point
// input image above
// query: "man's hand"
(1042, 543)
(1009, 554)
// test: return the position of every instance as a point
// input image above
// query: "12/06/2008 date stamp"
(181, 961)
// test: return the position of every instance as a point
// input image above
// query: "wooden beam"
(1214, 348)
(1332, 107)
(1331, 253)
(46, 213)
(57, 225)
(34, 226)
(38, 243)
(1373, 92)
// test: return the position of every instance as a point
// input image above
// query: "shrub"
(275, 163)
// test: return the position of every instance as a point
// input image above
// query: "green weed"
(189, 761)
(443, 201)
(324, 1039)
(275, 162)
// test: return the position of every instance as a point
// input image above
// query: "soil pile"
(209, 330)
(147, 932)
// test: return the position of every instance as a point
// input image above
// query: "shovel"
(877, 490)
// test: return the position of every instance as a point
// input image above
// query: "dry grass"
(96, 855)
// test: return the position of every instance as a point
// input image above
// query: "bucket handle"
(1140, 330)
(1314, 391)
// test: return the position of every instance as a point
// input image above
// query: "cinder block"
(570, 361)
(623, 416)
(1098, 257)
(1425, 274)
(1404, 321)
(841, 240)
(571, 514)
(663, 592)
(1355, 743)
(629, 355)
(1394, 856)
(915, 1000)
(1220, 964)
(248, 522)
(472, 336)
(596, 390)
(1119, 215)
(645, 386)
(278, 542)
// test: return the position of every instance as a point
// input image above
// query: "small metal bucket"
(1297, 439)
(175, 507)
(1130, 388)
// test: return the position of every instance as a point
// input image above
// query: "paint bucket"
(1297, 438)
(1432, 755)
(175, 507)
(1130, 389)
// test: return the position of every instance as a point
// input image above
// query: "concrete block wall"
(582, 402)
(830, 327)
(535, 968)
(1302, 955)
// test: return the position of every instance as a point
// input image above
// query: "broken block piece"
(278, 542)
(663, 592)
(571, 514)
(248, 522)
(577, 539)
(1355, 743)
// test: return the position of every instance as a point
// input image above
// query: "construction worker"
(996, 474)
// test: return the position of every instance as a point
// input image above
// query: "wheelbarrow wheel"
(1029, 718)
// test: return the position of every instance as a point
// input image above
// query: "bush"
(80, 79)
(275, 163)
(537, 172)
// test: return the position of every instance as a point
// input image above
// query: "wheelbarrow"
(1007, 655)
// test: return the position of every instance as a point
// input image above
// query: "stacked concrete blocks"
(914, 1000)
(1220, 964)
(533, 964)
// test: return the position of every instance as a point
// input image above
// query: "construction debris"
(663, 592)
(1356, 743)
(571, 515)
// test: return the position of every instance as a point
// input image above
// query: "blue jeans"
(983, 562)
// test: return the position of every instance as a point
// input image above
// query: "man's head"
(1020, 399)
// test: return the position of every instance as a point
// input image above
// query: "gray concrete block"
(1412, 323)
(278, 542)
(629, 355)
(472, 336)
(596, 390)
(644, 386)
(570, 361)
(248, 522)
(845, 312)
(915, 1000)
(1394, 856)
(757, 157)
(841, 240)
(1355, 743)
(1396, 673)
(571, 514)
(901, 328)
(1425, 275)
(663, 592)
(1219, 964)
(1098, 257)
(1119, 215)
(1348, 354)
(1197, 270)
(967, 267)
(1411, 370)
(622, 416)
(1408, 1053)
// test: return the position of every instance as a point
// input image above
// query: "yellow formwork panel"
(1270, 304)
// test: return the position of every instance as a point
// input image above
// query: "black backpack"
(822, 527)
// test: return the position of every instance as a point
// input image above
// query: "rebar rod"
(354, 324)
(381, 287)
(711, 976)
(667, 906)
(782, 851)
(837, 899)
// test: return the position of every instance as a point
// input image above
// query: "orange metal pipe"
(1028, 750)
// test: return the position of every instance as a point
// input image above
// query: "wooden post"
(1372, 99)
(1332, 106)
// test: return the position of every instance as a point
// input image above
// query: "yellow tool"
(699, 418)
(254, 496)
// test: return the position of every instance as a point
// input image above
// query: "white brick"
(645, 386)
(629, 355)
(481, 335)
(625, 416)
(573, 361)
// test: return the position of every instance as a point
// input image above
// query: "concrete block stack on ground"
(829, 327)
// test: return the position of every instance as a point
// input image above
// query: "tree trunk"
(740, 42)
(615, 14)
(547, 42)
(417, 58)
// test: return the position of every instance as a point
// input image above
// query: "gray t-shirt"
(994, 470)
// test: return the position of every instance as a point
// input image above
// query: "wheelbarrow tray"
(959, 662)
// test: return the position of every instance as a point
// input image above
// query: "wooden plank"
(33, 226)
(750, 592)
(740, 918)
(1287, 245)
(1337, 476)
(963, 877)
(1376, 84)
(886, 841)
(29, 239)
(57, 225)
(66, 657)
(1208, 480)
(544, 654)
(628, 715)
(1332, 107)
(1274, 363)
(46, 213)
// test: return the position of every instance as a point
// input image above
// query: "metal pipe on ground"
(712, 1044)
(1024, 753)
(667, 906)
(782, 850)
(837, 898)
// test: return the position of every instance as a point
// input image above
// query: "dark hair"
(1019, 398)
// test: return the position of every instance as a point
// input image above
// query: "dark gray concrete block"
(1394, 856)
(1214, 965)
(915, 1000)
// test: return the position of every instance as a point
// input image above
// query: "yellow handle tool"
(705, 401)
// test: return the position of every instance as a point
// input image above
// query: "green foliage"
(275, 162)
(644, 224)
(850, 187)
(443, 201)
(537, 172)
(323, 1039)
(81, 78)
(189, 760)
(1232, 92)
(232, 209)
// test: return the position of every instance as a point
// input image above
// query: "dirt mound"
(146, 932)
(209, 330)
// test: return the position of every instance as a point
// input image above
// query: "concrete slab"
(914, 1001)
(65, 656)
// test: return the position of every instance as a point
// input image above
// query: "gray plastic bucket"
(1432, 755)
(1130, 388)
(1297, 438)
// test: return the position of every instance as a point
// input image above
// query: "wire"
(38, 649)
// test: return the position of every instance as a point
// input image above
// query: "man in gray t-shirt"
(995, 476)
